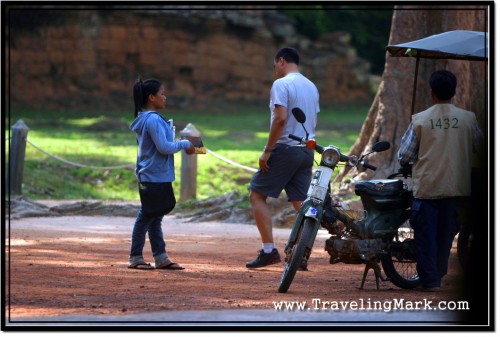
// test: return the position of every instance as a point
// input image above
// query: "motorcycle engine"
(353, 251)
(330, 220)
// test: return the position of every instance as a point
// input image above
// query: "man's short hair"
(290, 55)
(443, 84)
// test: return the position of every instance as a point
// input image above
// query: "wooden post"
(17, 153)
(189, 167)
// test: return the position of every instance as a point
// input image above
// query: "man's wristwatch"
(266, 149)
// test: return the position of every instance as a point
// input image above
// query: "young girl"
(155, 172)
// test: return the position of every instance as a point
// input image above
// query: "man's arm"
(408, 150)
(277, 126)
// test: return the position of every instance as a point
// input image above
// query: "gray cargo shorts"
(290, 168)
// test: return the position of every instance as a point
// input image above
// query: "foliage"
(368, 25)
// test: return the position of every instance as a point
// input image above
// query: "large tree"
(390, 112)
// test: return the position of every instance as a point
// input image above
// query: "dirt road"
(59, 267)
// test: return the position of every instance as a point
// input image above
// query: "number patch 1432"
(444, 123)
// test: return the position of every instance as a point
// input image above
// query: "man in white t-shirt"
(282, 165)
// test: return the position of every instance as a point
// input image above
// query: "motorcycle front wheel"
(399, 263)
(299, 251)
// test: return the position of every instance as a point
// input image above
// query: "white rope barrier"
(133, 165)
(231, 162)
(78, 164)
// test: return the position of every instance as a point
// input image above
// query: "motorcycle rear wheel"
(400, 269)
(298, 252)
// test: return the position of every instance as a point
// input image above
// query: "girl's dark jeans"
(157, 199)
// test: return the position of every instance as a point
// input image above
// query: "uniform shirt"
(440, 142)
(295, 91)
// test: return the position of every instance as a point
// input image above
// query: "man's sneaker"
(264, 259)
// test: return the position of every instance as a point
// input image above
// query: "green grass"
(103, 139)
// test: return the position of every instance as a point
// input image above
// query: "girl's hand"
(191, 149)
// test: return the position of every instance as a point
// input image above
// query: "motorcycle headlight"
(330, 157)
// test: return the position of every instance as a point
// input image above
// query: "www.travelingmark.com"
(317, 304)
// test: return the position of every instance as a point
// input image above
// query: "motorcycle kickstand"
(372, 264)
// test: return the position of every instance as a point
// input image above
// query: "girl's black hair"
(142, 90)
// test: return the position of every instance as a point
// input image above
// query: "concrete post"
(17, 153)
(189, 166)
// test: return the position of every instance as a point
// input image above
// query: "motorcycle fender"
(307, 211)
(312, 212)
(295, 229)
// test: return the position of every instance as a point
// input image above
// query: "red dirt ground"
(78, 266)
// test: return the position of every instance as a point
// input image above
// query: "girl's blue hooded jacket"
(155, 160)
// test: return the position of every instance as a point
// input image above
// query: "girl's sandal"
(170, 265)
(141, 265)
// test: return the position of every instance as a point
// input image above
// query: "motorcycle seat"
(379, 187)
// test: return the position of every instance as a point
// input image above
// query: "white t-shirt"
(295, 91)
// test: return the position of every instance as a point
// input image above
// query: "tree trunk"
(390, 113)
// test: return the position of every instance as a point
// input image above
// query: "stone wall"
(91, 58)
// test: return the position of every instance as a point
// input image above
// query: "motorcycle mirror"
(299, 115)
(381, 146)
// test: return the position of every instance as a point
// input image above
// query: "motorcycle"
(378, 234)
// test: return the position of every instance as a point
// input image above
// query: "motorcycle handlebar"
(344, 158)
(319, 148)
(302, 141)
(294, 137)
(404, 171)
(368, 166)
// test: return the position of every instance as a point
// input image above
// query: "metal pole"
(17, 154)
(415, 84)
